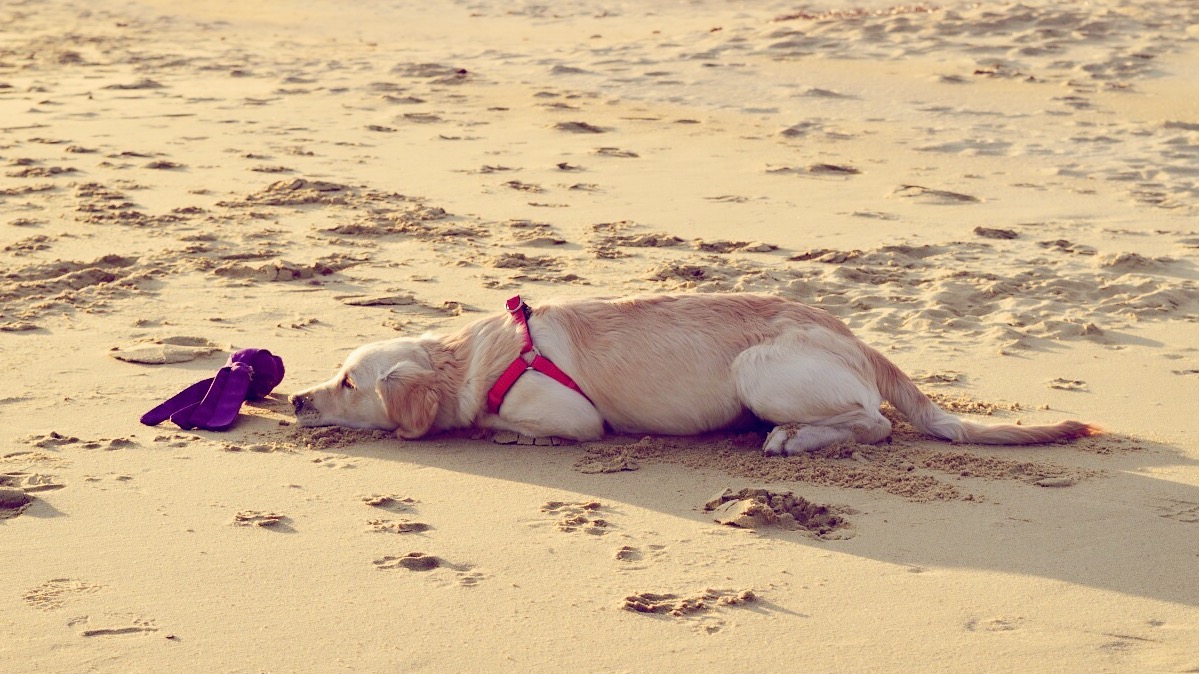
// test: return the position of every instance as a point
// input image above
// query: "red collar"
(495, 396)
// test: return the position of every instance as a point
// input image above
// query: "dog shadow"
(1062, 511)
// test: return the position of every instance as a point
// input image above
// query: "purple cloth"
(213, 404)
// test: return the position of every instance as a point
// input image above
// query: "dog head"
(386, 385)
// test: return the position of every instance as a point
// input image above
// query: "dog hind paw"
(792, 439)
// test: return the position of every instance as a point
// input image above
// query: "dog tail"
(897, 387)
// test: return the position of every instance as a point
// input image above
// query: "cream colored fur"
(670, 364)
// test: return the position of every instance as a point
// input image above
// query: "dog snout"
(302, 403)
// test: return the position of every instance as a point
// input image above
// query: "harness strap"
(495, 397)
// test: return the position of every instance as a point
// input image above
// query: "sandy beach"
(1001, 197)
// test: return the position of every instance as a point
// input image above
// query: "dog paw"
(778, 438)
(791, 439)
(514, 438)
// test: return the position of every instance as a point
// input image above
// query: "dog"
(666, 365)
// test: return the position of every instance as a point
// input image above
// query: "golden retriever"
(669, 364)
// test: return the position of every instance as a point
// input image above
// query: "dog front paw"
(514, 438)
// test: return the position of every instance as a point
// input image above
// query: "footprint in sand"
(995, 233)
(631, 557)
(163, 165)
(26, 458)
(259, 518)
(179, 440)
(470, 578)
(698, 608)
(526, 262)
(628, 553)
(464, 575)
(388, 300)
(19, 326)
(109, 444)
(381, 526)
(1067, 384)
(56, 439)
(390, 502)
(41, 171)
(335, 461)
(117, 625)
(593, 463)
(940, 378)
(646, 240)
(1003, 624)
(166, 350)
(579, 127)
(578, 516)
(616, 152)
(56, 592)
(677, 605)
(927, 195)
(1178, 510)
(413, 561)
(26, 246)
(530, 233)
(524, 187)
(723, 246)
(709, 270)
(816, 170)
(51, 439)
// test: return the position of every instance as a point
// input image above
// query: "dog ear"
(411, 396)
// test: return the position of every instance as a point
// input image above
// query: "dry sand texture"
(1001, 196)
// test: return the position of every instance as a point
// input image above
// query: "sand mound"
(757, 508)
(13, 502)
(679, 606)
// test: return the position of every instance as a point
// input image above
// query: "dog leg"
(815, 387)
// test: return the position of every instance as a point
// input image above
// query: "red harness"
(495, 397)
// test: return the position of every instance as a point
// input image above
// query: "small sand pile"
(757, 508)
(678, 606)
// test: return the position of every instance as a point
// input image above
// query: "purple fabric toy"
(213, 404)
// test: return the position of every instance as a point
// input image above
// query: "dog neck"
(449, 364)
(468, 362)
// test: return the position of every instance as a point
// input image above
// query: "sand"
(1001, 197)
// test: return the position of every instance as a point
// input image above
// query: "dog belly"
(682, 416)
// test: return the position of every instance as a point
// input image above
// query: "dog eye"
(346, 383)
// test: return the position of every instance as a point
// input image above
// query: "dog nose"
(300, 402)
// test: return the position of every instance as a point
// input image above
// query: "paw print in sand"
(578, 517)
